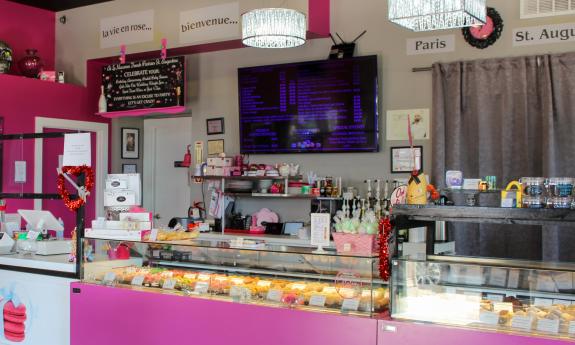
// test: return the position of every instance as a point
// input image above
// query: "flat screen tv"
(309, 107)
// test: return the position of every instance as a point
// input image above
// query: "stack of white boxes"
(123, 191)
(221, 166)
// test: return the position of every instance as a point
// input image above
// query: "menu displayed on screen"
(318, 106)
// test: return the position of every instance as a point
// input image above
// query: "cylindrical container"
(533, 202)
(441, 231)
(305, 189)
(533, 186)
(560, 186)
(560, 202)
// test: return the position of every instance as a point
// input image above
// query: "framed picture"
(215, 147)
(130, 143)
(129, 168)
(405, 160)
(215, 126)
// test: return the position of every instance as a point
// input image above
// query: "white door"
(166, 191)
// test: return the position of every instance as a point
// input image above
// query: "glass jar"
(533, 186)
(560, 186)
(533, 202)
(560, 202)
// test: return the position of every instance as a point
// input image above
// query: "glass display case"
(255, 273)
(505, 295)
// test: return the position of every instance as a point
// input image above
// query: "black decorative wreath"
(492, 38)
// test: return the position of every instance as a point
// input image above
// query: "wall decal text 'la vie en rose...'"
(136, 27)
(126, 28)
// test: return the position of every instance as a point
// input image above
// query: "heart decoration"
(83, 192)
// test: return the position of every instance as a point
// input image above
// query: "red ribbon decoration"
(74, 205)
(383, 238)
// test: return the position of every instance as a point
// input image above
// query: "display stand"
(80, 213)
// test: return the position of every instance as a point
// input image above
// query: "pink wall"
(24, 27)
(24, 99)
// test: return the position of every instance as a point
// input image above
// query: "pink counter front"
(108, 315)
(116, 316)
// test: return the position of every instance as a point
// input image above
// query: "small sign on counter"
(350, 304)
(489, 318)
(501, 306)
(202, 287)
(138, 280)
(240, 293)
(547, 325)
(524, 323)
(320, 229)
(274, 295)
(169, 284)
(317, 301)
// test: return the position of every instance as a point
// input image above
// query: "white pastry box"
(132, 182)
(221, 162)
(120, 198)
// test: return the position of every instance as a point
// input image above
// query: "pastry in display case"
(505, 295)
(276, 276)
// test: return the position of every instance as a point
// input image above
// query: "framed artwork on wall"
(215, 147)
(215, 126)
(402, 159)
(129, 168)
(130, 143)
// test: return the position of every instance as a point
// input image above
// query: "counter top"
(271, 239)
(58, 263)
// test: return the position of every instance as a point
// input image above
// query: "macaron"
(15, 328)
(14, 337)
(10, 309)
(15, 318)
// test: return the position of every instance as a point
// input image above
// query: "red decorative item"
(383, 238)
(74, 205)
(31, 64)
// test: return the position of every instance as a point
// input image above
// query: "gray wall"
(212, 77)
(117, 161)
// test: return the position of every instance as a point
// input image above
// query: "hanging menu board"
(145, 84)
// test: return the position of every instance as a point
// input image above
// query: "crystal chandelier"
(428, 15)
(273, 28)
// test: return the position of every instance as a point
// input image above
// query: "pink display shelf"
(411, 333)
(106, 315)
(143, 112)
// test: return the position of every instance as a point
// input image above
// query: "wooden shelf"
(250, 178)
(281, 196)
(491, 215)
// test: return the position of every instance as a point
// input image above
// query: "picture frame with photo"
(130, 143)
(215, 126)
(402, 159)
(129, 168)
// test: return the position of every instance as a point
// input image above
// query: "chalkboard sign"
(145, 84)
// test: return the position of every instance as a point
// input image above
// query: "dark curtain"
(510, 118)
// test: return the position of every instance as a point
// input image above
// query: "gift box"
(355, 244)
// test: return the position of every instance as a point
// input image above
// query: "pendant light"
(429, 15)
(273, 28)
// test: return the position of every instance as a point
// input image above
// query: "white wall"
(212, 77)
